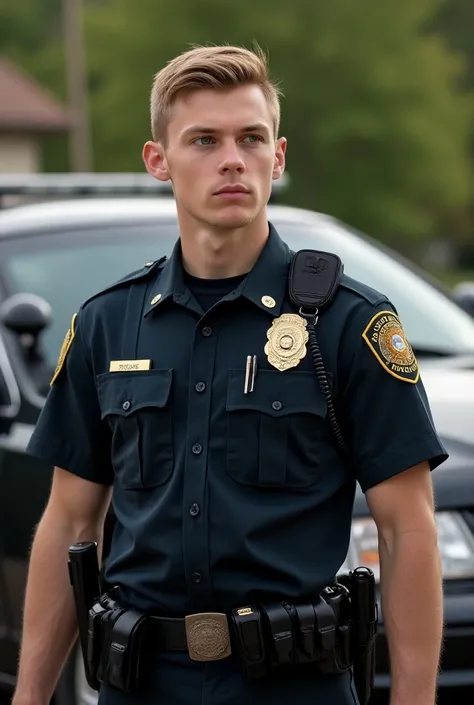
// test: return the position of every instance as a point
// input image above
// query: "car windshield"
(65, 268)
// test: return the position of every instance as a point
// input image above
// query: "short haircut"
(214, 67)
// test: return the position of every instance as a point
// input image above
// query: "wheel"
(72, 688)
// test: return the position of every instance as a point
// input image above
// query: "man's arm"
(75, 512)
(411, 582)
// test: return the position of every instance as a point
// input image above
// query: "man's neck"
(217, 254)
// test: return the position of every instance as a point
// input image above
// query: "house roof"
(27, 107)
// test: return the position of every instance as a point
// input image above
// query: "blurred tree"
(377, 134)
(455, 20)
(377, 128)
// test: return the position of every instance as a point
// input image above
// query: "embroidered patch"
(69, 337)
(385, 337)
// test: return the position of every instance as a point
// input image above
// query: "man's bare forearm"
(49, 623)
(412, 605)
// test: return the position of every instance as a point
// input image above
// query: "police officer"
(186, 393)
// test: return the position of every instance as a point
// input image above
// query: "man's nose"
(231, 159)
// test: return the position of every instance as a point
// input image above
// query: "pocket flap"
(123, 393)
(277, 393)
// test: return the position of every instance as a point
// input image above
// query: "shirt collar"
(169, 283)
(265, 285)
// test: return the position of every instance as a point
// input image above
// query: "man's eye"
(203, 141)
(253, 138)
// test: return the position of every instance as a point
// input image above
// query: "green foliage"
(455, 20)
(377, 128)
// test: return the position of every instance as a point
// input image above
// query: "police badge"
(287, 340)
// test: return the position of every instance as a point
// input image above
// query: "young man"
(228, 495)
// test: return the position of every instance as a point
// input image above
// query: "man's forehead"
(234, 109)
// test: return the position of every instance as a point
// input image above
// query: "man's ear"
(156, 164)
(279, 162)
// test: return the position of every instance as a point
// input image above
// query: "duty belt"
(327, 635)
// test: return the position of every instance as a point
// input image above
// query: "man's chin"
(233, 221)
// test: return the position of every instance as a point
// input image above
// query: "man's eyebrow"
(202, 129)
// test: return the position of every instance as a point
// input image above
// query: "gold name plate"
(129, 365)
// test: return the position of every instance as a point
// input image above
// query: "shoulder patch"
(69, 337)
(142, 273)
(387, 341)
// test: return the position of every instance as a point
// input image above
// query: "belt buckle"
(208, 637)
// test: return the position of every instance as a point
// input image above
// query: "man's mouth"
(232, 190)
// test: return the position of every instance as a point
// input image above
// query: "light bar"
(86, 184)
(80, 184)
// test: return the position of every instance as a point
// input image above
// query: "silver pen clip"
(247, 374)
(250, 372)
(254, 372)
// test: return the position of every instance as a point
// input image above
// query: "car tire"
(72, 688)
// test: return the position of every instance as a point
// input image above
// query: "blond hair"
(215, 67)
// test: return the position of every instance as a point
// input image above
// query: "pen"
(254, 372)
(247, 374)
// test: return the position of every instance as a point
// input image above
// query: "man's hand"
(411, 582)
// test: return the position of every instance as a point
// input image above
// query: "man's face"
(221, 155)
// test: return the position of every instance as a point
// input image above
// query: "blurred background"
(378, 110)
(378, 101)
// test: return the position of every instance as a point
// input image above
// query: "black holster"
(364, 620)
(115, 649)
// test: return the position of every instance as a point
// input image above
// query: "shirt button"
(197, 448)
(194, 510)
(126, 405)
(200, 387)
(206, 331)
(196, 577)
(277, 405)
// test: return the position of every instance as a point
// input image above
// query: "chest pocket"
(136, 405)
(277, 433)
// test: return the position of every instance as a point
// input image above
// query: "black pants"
(173, 679)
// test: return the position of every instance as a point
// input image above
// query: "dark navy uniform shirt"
(224, 498)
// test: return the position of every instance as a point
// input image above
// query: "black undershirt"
(208, 292)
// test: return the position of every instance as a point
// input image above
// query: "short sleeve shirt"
(229, 488)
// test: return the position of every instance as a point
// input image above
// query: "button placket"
(195, 508)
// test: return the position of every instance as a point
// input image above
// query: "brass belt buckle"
(208, 636)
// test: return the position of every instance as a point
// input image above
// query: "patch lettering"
(69, 337)
(386, 339)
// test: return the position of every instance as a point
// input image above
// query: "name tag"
(129, 365)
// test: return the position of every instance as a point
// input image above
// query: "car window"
(67, 268)
(432, 321)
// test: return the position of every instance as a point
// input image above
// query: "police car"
(86, 231)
